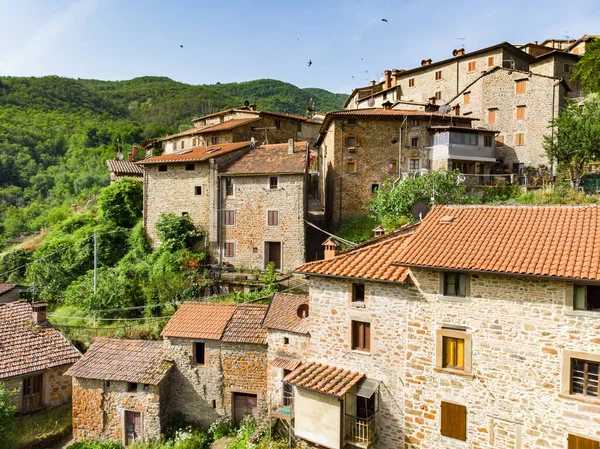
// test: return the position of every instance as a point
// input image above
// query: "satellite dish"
(444, 109)
(246, 103)
(454, 52)
(252, 143)
(120, 156)
(419, 210)
(371, 102)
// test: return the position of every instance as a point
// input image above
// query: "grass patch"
(40, 430)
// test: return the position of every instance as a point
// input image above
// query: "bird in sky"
(181, 46)
(309, 62)
(385, 20)
(352, 76)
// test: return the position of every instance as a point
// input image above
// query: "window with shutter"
(490, 61)
(229, 249)
(215, 140)
(520, 87)
(472, 66)
(519, 139)
(229, 217)
(411, 82)
(576, 442)
(467, 98)
(492, 115)
(454, 421)
(438, 95)
(521, 112)
(566, 68)
(500, 141)
(455, 284)
(351, 166)
(361, 336)
(273, 218)
(438, 75)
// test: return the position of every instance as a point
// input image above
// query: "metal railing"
(361, 430)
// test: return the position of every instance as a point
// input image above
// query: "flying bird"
(385, 20)
(352, 76)
(181, 46)
(309, 62)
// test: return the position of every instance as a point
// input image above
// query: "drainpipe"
(400, 154)
(552, 167)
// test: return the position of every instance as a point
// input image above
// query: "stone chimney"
(388, 79)
(136, 152)
(331, 248)
(372, 83)
(130, 157)
(387, 105)
(39, 312)
(431, 100)
(291, 146)
(252, 107)
(426, 62)
(460, 51)
(379, 231)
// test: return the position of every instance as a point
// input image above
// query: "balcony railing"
(282, 405)
(361, 431)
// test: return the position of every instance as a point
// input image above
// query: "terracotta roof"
(371, 260)
(245, 326)
(248, 110)
(28, 348)
(287, 363)
(139, 361)
(124, 168)
(203, 320)
(197, 154)
(5, 288)
(269, 159)
(549, 241)
(283, 313)
(225, 126)
(324, 378)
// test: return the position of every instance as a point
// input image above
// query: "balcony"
(463, 152)
(282, 405)
(361, 432)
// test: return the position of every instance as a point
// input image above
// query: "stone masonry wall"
(56, 388)
(252, 200)
(297, 348)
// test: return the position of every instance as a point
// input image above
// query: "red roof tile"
(139, 361)
(324, 378)
(287, 363)
(245, 326)
(28, 348)
(283, 313)
(124, 168)
(197, 154)
(270, 159)
(225, 126)
(549, 241)
(370, 260)
(199, 320)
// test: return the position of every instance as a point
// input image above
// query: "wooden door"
(32, 393)
(576, 442)
(244, 404)
(133, 426)
(274, 254)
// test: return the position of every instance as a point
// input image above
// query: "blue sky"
(232, 41)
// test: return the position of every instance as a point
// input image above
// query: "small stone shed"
(121, 391)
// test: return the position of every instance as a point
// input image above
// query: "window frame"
(463, 334)
(520, 112)
(519, 139)
(492, 115)
(354, 164)
(490, 61)
(472, 66)
(444, 284)
(414, 142)
(571, 302)
(226, 253)
(190, 167)
(132, 387)
(520, 87)
(232, 181)
(488, 140)
(572, 442)
(229, 213)
(270, 185)
(467, 98)
(499, 141)
(355, 294)
(197, 190)
(195, 361)
(566, 374)
(360, 330)
(276, 211)
(411, 82)
(163, 167)
(351, 145)
(277, 123)
(214, 140)
(414, 122)
(438, 75)
(438, 95)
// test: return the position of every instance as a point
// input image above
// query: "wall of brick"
(56, 388)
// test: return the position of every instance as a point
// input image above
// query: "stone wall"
(99, 409)
(56, 388)
(297, 347)
(252, 200)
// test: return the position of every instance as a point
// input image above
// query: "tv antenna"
(461, 44)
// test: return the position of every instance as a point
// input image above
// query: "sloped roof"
(269, 159)
(288, 363)
(549, 241)
(124, 168)
(196, 154)
(326, 379)
(283, 313)
(370, 260)
(5, 288)
(139, 361)
(245, 325)
(28, 348)
(224, 126)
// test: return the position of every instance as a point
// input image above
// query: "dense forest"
(56, 133)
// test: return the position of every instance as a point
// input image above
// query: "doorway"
(273, 254)
(133, 426)
(244, 404)
(288, 392)
(32, 393)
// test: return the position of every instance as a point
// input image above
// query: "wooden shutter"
(230, 217)
(491, 115)
(576, 442)
(500, 141)
(490, 61)
(273, 218)
(454, 421)
(367, 336)
(520, 112)
(521, 86)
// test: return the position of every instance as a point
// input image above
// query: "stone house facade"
(241, 125)
(465, 344)
(121, 391)
(34, 357)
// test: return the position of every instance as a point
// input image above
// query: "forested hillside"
(56, 133)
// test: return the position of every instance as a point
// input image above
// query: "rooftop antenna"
(463, 39)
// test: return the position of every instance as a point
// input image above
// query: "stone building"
(120, 391)
(515, 90)
(240, 125)
(124, 169)
(220, 356)
(477, 328)
(263, 207)
(360, 149)
(34, 357)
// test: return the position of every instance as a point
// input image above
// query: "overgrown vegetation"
(7, 412)
(39, 430)
(587, 69)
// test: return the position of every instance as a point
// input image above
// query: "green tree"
(175, 232)
(7, 411)
(587, 69)
(121, 202)
(576, 139)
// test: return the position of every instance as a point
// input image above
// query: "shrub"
(176, 232)
(121, 202)
(7, 410)
(85, 444)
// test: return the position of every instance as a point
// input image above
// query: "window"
(277, 124)
(414, 165)
(229, 217)
(520, 87)
(414, 122)
(361, 336)
(438, 75)
(374, 187)
(472, 66)
(411, 82)
(195, 142)
(273, 182)
(575, 442)
(198, 190)
(107, 384)
(184, 214)
(487, 141)
(492, 115)
(351, 121)
(385, 95)
(182, 144)
(299, 127)
(519, 168)
(576, 51)
(214, 140)
(438, 95)
(229, 249)
(131, 387)
(162, 168)
(453, 353)
(190, 167)
(453, 349)
(229, 187)
(414, 141)
(467, 98)
(351, 166)
(392, 167)
(351, 141)
(272, 218)
(586, 297)
(584, 378)
(358, 293)
(199, 353)
(519, 139)
(499, 141)
(286, 340)
(521, 112)
(490, 61)
(455, 284)
(466, 168)
(454, 421)
(464, 138)
(566, 68)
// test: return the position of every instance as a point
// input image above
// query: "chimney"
(388, 79)
(372, 83)
(130, 157)
(535, 42)
(379, 231)
(387, 105)
(457, 109)
(39, 312)
(136, 152)
(426, 62)
(169, 134)
(331, 248)
(291, 146)
(460, 51)
(252, 107)
(431, 100)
